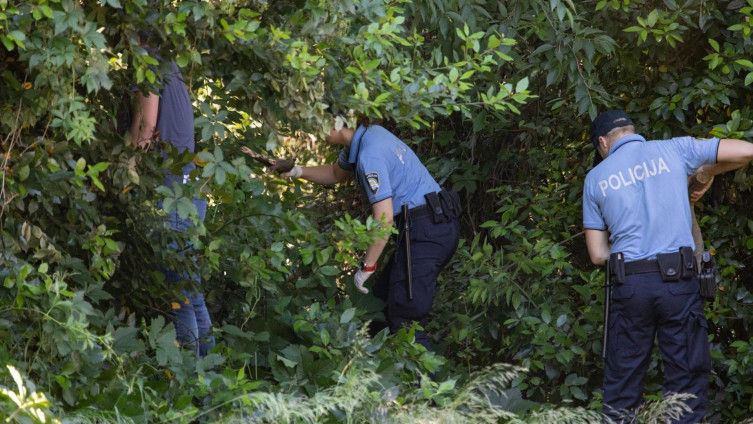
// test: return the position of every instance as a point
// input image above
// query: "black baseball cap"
(605, 122)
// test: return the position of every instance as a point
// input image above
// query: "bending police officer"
(636, 210)
(402, 192)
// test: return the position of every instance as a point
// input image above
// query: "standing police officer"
(402, 192)
(636, 214)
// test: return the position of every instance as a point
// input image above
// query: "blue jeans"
(191, 318)
(643, 308)
(189, 312)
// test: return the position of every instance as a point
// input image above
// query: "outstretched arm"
(328, 174)
(732, 154)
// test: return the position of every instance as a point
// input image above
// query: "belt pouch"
(451, 203)
(437, 212)
(670, 266)
(688, 263)
(617, 268)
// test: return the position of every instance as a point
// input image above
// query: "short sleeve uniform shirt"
(385, 167)
(639, 193)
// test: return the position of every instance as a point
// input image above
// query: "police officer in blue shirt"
(636, 214)
(402, 192)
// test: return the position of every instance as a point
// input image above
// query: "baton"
(406, 234)
(607, 303)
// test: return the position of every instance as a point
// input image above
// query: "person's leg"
(631, 338)
(189, 312)
(183, 317)
(683, 342)
(203, 324)
(432, 246)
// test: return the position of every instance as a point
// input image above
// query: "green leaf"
(329, 270)
(546, 316)
(324, 335)
(288, 363)
(653, 17)
(714, 44)
(744, 62)
(347, 316)
(23, 173)
(493, 42)
(561, 320)
(46, 11)
(453, 74)
(99, 167)
(97, 182)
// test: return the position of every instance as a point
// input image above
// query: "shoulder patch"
(372, 178)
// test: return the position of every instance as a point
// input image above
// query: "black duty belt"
(441, 206)
(419, 212)
(642, 267)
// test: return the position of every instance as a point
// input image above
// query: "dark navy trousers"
(432, 247)
(645, 308)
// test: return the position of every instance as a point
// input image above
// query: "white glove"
(360, 278)
(296, 172)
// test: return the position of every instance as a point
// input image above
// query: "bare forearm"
(375, 251)
(323, 174)
(381, 211)
(145, 113)
(707, 171)
(141, 132)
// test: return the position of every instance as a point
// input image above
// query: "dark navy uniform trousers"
(643, 308)
(432, 246)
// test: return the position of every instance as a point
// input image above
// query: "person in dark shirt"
(169, 114)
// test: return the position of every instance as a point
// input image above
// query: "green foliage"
(23, 404)
(495, 97)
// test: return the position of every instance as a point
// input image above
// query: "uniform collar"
(625, 140)
(355, 144)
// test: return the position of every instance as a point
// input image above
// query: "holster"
(617, 268)
(707, 276)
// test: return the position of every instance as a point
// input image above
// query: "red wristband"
(370, 268)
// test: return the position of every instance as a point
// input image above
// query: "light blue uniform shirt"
(386, 167)
(639, 193)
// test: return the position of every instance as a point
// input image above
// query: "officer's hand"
(698, 184)
(282, 165)
(360, 278)
(294, 172)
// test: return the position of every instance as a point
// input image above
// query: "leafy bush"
(495, 97)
